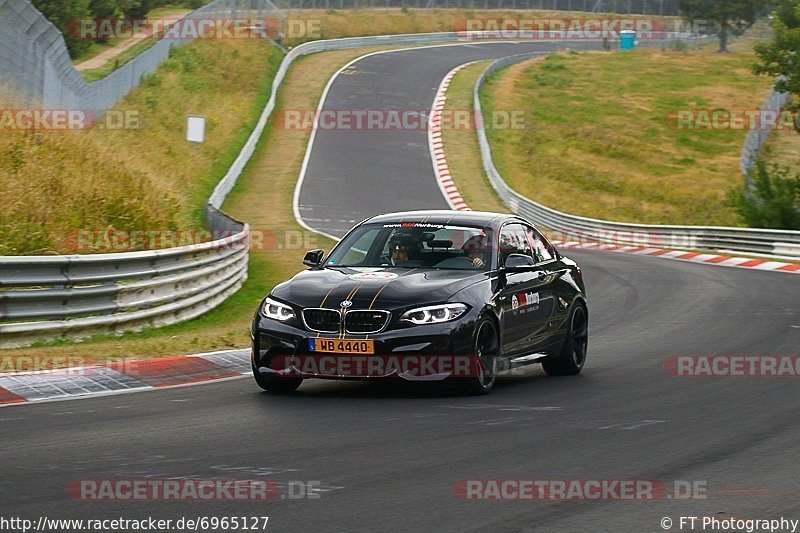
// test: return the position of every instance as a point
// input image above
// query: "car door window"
(358, 252)
(542, 250)
(514, 240)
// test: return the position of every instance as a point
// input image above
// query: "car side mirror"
(314, 258)
(519, 263)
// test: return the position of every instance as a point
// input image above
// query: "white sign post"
(196, 129)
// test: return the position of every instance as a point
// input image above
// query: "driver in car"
(474, 249)
(399, 250)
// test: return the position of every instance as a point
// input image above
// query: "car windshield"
(414, 245)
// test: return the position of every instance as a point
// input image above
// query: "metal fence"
(623, 7)
(35, 64)
(757, 137)
(583, 229)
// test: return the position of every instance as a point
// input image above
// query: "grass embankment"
(598, 140)
(145, 179)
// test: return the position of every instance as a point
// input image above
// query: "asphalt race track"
(388, 456)
(351, 175)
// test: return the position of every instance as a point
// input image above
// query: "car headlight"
(276, 310)
(434, 314)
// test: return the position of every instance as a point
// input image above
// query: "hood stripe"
(387, 284)
(375, 298)
(378, 294)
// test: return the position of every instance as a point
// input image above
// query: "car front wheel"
(276, 384)
(487, 349)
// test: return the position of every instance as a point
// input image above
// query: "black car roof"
(468, 218)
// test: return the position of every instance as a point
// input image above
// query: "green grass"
(114, 64)
(91, 51)
(99, 179)
(598, 142)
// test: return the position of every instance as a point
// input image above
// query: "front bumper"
(414, 353)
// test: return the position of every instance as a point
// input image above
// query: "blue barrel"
(627, 40)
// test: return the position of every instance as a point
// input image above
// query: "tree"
(103, 10)
(774, 202)
(725, 17)
(781, 56)
(138, 9)
(788, 12)
(63, 14)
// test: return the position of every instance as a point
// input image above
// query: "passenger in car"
(474, 249)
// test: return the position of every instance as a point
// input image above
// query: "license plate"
(341, 346)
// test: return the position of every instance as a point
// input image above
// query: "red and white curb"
(457, 202)
(123, 376)
(682, 255)
(436, 145)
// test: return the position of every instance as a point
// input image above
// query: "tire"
(276, 384)
(572, 358)
(487, 348)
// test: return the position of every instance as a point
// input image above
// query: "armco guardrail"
(582, 229)
(623, 7)
(75, 296)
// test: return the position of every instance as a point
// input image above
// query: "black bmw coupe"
(421, 296)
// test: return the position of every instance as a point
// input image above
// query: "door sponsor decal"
(524, 299)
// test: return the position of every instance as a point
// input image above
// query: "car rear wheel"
(487, 349)
(276, 384)
(573, 353)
